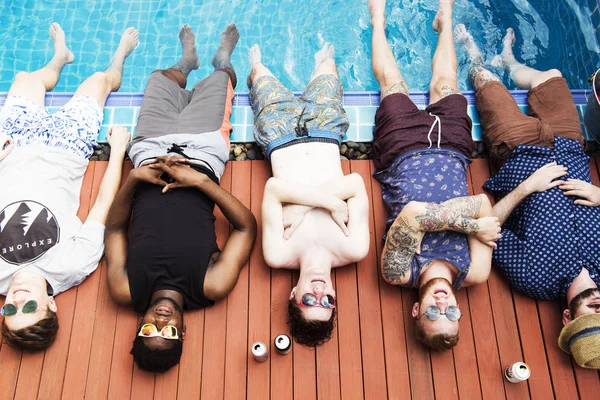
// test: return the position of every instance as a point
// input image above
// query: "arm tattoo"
(448, 90)
(469, 206)
(440, 218)
(401, 244)
(399, 87)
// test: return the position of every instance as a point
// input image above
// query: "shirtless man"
(314, 218)
(44, 247)
(439, 238)
(547, 204)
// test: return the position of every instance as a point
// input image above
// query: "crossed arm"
(223, 274)
(469, 215)
(345, 198)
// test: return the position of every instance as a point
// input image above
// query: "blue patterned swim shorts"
(277, 112)
(74, 127)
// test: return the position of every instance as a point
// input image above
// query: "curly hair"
(38, 336)
(436, 342)
(155, 360)
(306, 332)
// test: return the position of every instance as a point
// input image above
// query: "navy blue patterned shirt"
(547, 239)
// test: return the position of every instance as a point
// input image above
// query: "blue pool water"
(551, 33)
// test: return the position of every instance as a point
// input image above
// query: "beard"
(173, 303)
(580, 298)
(423, 290)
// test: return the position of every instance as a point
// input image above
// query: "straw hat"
(581, 338)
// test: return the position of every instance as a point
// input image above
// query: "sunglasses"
(309, 300)
(433, 313)
(150, 330)
(8, 310)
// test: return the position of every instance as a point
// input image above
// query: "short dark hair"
(307, 332)
(577, 301)
(436, 342)
(155, 360)
(38, 336)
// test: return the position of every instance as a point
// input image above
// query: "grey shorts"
(168, 109)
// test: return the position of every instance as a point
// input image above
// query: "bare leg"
(385, 68)
(258, 70)
(34, 85)
(444, 65)
(478, 75)
(222, 58)
(100, 84)
(523, 76)
(324, 63)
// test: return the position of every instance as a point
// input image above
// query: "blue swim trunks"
(280, 117)
(74, 127)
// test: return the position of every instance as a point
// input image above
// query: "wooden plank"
(394, 340)
(190, 366)
(10, 361)
(142, 384)
(509, 345)
(165, 386)
(53, 370)
(260, 291)
(328, 365)
(465, 358)
(215, 319)
(103, 334)
(561, 370)
(121, 368)
(375, 385)
(281, 365)
(305, 377)
(444, 377)
(236, 355)
(85, 312)
(29, 375)
(348, 328)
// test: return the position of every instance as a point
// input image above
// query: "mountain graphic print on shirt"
(28, 230)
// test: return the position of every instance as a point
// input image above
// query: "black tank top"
(171, 240)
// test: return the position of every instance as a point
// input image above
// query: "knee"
(232, 75)
(101, 78)
(22, 76)
(554, 73)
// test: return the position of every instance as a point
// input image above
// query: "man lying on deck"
(44, 247)
(314, 218)
(549, 208)
(168, 259)
(439, 238)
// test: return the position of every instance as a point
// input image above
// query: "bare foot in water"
(443, 16)
(507, 57)
(189, 58)
(129, 41)
(377, 10)
(62, 53)
(229, 38)
(328, 51)
(464, 39)
(254, 55)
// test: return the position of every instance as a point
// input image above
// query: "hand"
(118, 138)
(148, 175)
(590, 194)
(182, 175)
(293, 215)
(544, 178)
(6, 145)
(489, 231)
(340, 216)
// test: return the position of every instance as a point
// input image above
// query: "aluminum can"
(283, 344)
(260, 352)
(518, 372)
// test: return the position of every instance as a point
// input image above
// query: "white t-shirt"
(39, 227)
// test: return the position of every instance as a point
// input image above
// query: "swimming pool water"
(551, 33)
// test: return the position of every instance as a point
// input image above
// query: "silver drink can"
(260, 352)
(283, 344)
(518, 372)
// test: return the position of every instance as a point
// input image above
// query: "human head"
(157, 354)
(441, 334)
(311, 326)
(586, 302)
(35, 331)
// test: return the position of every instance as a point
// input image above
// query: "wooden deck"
(373, 353)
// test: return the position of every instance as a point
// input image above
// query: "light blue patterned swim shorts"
(74, 127)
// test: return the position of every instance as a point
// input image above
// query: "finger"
(553, 163)
(170, 186)
(555, 184)
(161, 167)
(290, 231)
(586, 203)
(578, 193)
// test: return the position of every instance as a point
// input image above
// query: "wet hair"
(38, 336)
(155, 360)
(308, 332)
(436, 342)
(577, 301)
